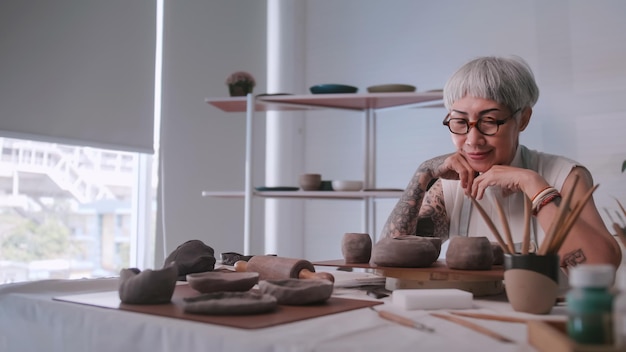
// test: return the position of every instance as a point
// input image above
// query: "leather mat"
(282, 315)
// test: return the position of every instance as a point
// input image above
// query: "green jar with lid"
(590, 304)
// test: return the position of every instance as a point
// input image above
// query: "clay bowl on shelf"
(391, 88)
(215, 281)
(332, 89)
(310, 182)
(347, 186)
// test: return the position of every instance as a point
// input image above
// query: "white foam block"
(448, 298)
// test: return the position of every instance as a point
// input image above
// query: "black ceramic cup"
(531, 282)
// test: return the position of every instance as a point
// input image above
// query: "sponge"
(449, 298)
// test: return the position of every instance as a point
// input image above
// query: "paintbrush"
(558, 219)
(572, 217)
(527, 215)
(491, 226)
(505, 226)
(398, 319)
(503, 318)
(473, 326)
(620, 233)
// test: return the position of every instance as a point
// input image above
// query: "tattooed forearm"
(434, 208)
(573, 258)
(404, 216)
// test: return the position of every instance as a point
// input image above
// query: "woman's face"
(482, 151)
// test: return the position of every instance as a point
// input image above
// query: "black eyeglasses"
(485, 125)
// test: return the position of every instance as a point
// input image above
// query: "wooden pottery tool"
(277, 268)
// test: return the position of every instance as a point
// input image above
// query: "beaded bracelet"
(545, 200)
(538, 194)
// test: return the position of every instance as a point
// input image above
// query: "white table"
(30, 320)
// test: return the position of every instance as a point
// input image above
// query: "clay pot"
(498, 253)
(406, 251)
(310, 182)
(531, 282)
(469, 253)
(356, 247)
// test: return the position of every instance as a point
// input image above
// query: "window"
(67, 211)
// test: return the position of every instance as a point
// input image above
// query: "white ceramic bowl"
(341, 185)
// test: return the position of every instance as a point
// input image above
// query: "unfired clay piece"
(215, 281)
(147, 287)
(356, 247)
(498, 254)
(231, 303)
(297, 291)
(191, 257)
(406, 251)
(469, 253)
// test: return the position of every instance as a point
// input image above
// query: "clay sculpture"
(147, 287)
(469, 253)
(406, 251)
(191, 257)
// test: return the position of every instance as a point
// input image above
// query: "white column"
(284, 227)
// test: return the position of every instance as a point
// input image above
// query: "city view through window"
(66, 211)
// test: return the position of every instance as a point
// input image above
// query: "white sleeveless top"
(464, 221)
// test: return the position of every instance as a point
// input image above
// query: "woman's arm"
(589, 241)
(420, 211)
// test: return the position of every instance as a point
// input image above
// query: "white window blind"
(78, 72)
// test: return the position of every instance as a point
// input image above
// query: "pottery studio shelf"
(367, 103)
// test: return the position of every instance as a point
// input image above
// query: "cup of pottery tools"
(531, 282)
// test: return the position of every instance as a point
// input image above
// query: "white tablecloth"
(30, 320)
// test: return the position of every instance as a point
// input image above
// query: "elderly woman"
(489, 102)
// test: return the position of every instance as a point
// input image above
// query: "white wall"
(576, 48)
(203, 147)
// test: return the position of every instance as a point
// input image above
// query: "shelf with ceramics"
(367, 103)
(308, 194)
(349, 101)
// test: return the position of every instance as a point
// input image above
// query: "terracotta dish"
(391, 88)
(215, 281)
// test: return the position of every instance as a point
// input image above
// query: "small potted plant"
(240, 83)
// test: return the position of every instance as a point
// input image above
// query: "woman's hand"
(510, 179)
(451, 167)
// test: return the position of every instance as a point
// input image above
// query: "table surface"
(30, 320)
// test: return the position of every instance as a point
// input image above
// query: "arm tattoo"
(413, 217)
(573, 258)
(433, 211)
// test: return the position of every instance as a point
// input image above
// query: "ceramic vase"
(356, 247)
(531, 282)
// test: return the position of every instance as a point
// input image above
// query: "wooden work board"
(175, 309)
(438, 275)
(438, 271)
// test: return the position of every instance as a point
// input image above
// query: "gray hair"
(505, 80)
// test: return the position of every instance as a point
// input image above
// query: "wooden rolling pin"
(277, 268)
